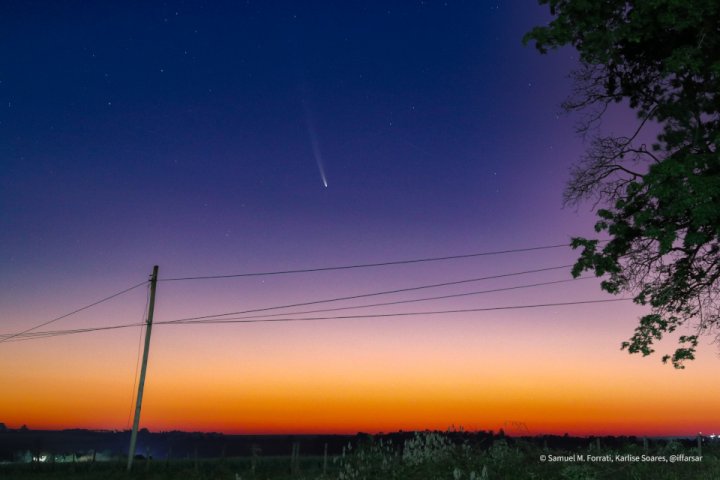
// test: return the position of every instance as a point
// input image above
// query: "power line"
(382, 315)
(8, 337)
(272, 320)
(415, 300)
(27, 336)
(57, 333)
(366, 265)
(384, 292)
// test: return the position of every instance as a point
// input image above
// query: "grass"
(426, 456)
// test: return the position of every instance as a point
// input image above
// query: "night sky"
(216, 138)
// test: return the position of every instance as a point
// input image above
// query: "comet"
(314, 143)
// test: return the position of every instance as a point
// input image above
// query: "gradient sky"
(195, 136)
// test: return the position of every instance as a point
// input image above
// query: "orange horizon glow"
(409, 376)
(508, 431)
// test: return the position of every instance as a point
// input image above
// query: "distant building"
(3, 428)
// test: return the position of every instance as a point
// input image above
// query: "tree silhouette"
(660, 204)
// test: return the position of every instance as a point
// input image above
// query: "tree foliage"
(660, 204)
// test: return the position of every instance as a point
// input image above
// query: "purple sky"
(189, 135)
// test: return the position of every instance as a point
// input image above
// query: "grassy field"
(427, 456)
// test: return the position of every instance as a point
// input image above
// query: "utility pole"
(141, 383)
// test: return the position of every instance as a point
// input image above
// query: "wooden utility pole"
(141, 383)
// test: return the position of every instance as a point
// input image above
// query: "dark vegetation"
(452, 455)
(657, 185)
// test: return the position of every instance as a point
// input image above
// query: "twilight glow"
(181, 135)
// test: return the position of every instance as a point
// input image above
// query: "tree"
(660, 205)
